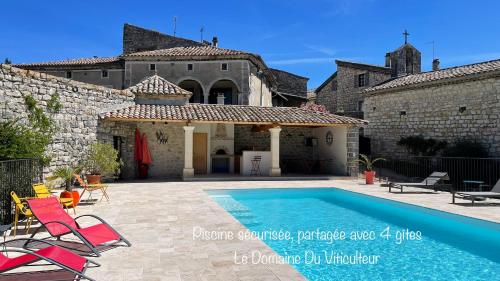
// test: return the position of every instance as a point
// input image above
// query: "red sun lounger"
(51, 255)
(58, 223)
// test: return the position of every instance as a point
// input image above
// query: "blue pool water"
(450, 247)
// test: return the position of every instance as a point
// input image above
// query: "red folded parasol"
(146, 155)
(138, 146)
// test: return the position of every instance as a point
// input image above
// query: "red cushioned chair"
(58, 223)
(51, 254)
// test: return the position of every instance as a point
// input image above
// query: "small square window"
(152, 67)
(190, 67)
(69, 74)
(224, 67)
(104, 74)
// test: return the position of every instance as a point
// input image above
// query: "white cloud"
(301, 61)
(321, 49)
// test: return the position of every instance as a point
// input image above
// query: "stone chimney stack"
(220, 99)
(215, 41)
(435, 64)
(387, 59)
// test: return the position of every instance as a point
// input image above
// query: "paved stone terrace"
(158, 218)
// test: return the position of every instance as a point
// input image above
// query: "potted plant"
(101, 160)
(66, 175)
(368, 163)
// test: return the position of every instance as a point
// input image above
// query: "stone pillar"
(275, 152)
(205, 98)
(188, 152)
(352, 151)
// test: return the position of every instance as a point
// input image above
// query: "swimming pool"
(383, 239)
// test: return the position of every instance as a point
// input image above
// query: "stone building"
(341, 92)
(450, 104)
(186, 139)
(200, 67)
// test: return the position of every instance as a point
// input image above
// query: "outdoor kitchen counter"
(263, 167)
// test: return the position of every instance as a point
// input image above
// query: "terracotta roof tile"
(81, 61)
(231, 114)
(443, 74)
(187, 52)
(156, 85)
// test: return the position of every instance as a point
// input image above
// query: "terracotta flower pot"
(94, 179)
(71, 194)
(369, 177)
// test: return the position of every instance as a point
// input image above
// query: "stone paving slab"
(158, 219)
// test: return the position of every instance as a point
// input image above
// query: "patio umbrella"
(138, 146)
(146, 155)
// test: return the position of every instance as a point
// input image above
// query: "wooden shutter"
(356, 80)
(367, 79)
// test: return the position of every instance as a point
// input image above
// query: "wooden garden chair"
(22, 208)
(91, 188)
(41, 191)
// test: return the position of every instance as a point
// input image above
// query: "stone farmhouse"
(398, 100)
(341, 93)
(205, 110)
(200, 67)
(457, 103)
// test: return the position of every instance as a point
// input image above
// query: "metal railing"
(471, 174)
(18, 176)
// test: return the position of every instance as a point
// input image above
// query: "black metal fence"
(17, 175)
(465, 173)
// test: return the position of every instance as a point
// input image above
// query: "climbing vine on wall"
(29, 139)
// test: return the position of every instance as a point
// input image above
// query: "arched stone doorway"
(194, 87)
(226, 87)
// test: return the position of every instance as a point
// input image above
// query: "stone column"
(275, 152)
(188, 152)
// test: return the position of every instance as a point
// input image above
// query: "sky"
(299, 36)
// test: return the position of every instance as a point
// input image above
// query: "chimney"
(435, 64)
(387, 59)
(220, 98)
(215, 41)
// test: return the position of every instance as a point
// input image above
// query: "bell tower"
(406, 59)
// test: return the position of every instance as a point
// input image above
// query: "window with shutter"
(367, 79)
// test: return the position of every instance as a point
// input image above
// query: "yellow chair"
(21, 208)
(41, 191)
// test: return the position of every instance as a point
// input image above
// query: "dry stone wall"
(467, 110)
(78, 119)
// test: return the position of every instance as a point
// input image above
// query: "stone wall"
(348, 93)
(327, 95)
(106, 130)
(345, 97)
(137, 39)
(435, 112)
(292, 141)
(76, 122)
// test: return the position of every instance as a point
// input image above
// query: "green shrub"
(101, 159)
(466, 148)
(29, 140)
(420, 146)
(20, 141)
